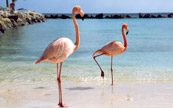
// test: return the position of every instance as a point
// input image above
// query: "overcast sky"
(95, 6)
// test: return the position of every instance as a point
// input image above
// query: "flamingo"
(60, 49)
(111, 49)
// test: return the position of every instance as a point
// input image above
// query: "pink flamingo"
(60, 49)
(111, 49)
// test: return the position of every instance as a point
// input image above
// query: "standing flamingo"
(60, 49)
(111, 49)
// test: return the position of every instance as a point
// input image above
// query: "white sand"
(88, 95)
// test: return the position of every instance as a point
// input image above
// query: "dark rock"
(92, 17)
(2, 27)
(128, 16)
(51, 16)
(99, 16)
(78, 16)
(2, 30)
(170, 15)
(122, 16)
(54, 16)
(141, 15)
(147, 16)
(47, 16)
(160, 16)
(118, 16)
(57, 16)
(152, 16)
(108, 17)
(14, 23)
(86, 16)
(64, 16)
(21, 9)
(33, 20)
(115, 16)
(28, 20)
(15, 17)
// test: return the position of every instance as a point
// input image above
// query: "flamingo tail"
(97, 52)
(39, 60)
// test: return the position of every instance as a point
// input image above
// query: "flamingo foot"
(102, 74)
(63, 105)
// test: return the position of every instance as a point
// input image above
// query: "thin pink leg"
(112, 69)
(59, 86)
(102, 73)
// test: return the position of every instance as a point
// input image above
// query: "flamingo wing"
(113, 48)
(57, 51)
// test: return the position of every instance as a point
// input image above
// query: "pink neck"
(125, 40)
(77, 31)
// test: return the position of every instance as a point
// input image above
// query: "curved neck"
(77, 31)
(125, 40)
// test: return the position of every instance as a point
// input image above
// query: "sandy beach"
(89, 95)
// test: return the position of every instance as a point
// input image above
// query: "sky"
(95, 6)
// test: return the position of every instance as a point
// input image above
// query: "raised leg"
(102, 73)
(111, 68)
(59, 86)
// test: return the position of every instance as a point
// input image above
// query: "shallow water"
(147, 58)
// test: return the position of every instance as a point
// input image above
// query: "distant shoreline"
(110, 15)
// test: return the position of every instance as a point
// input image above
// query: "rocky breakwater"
(111, 16)
(150, 16)
(18, 18)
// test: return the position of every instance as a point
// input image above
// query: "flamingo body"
(111, 49)
(57, 51)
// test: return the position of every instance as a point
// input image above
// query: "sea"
(148, 58)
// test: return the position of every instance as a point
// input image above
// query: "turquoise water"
(147, 58)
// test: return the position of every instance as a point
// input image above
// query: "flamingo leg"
(111, 68)
(102, 73)
(59, 86)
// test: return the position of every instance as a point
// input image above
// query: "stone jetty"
(112, 16)
(9, 19)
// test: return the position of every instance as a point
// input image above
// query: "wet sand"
(88, 95)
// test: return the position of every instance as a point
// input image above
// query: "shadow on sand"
(80, 88)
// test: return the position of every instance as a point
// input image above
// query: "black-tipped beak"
(82, 18)
(127, 32)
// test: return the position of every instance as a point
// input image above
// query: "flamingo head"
(79, 11)
(125, 26)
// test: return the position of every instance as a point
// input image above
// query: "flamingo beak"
(127, 32)
(82, 14)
